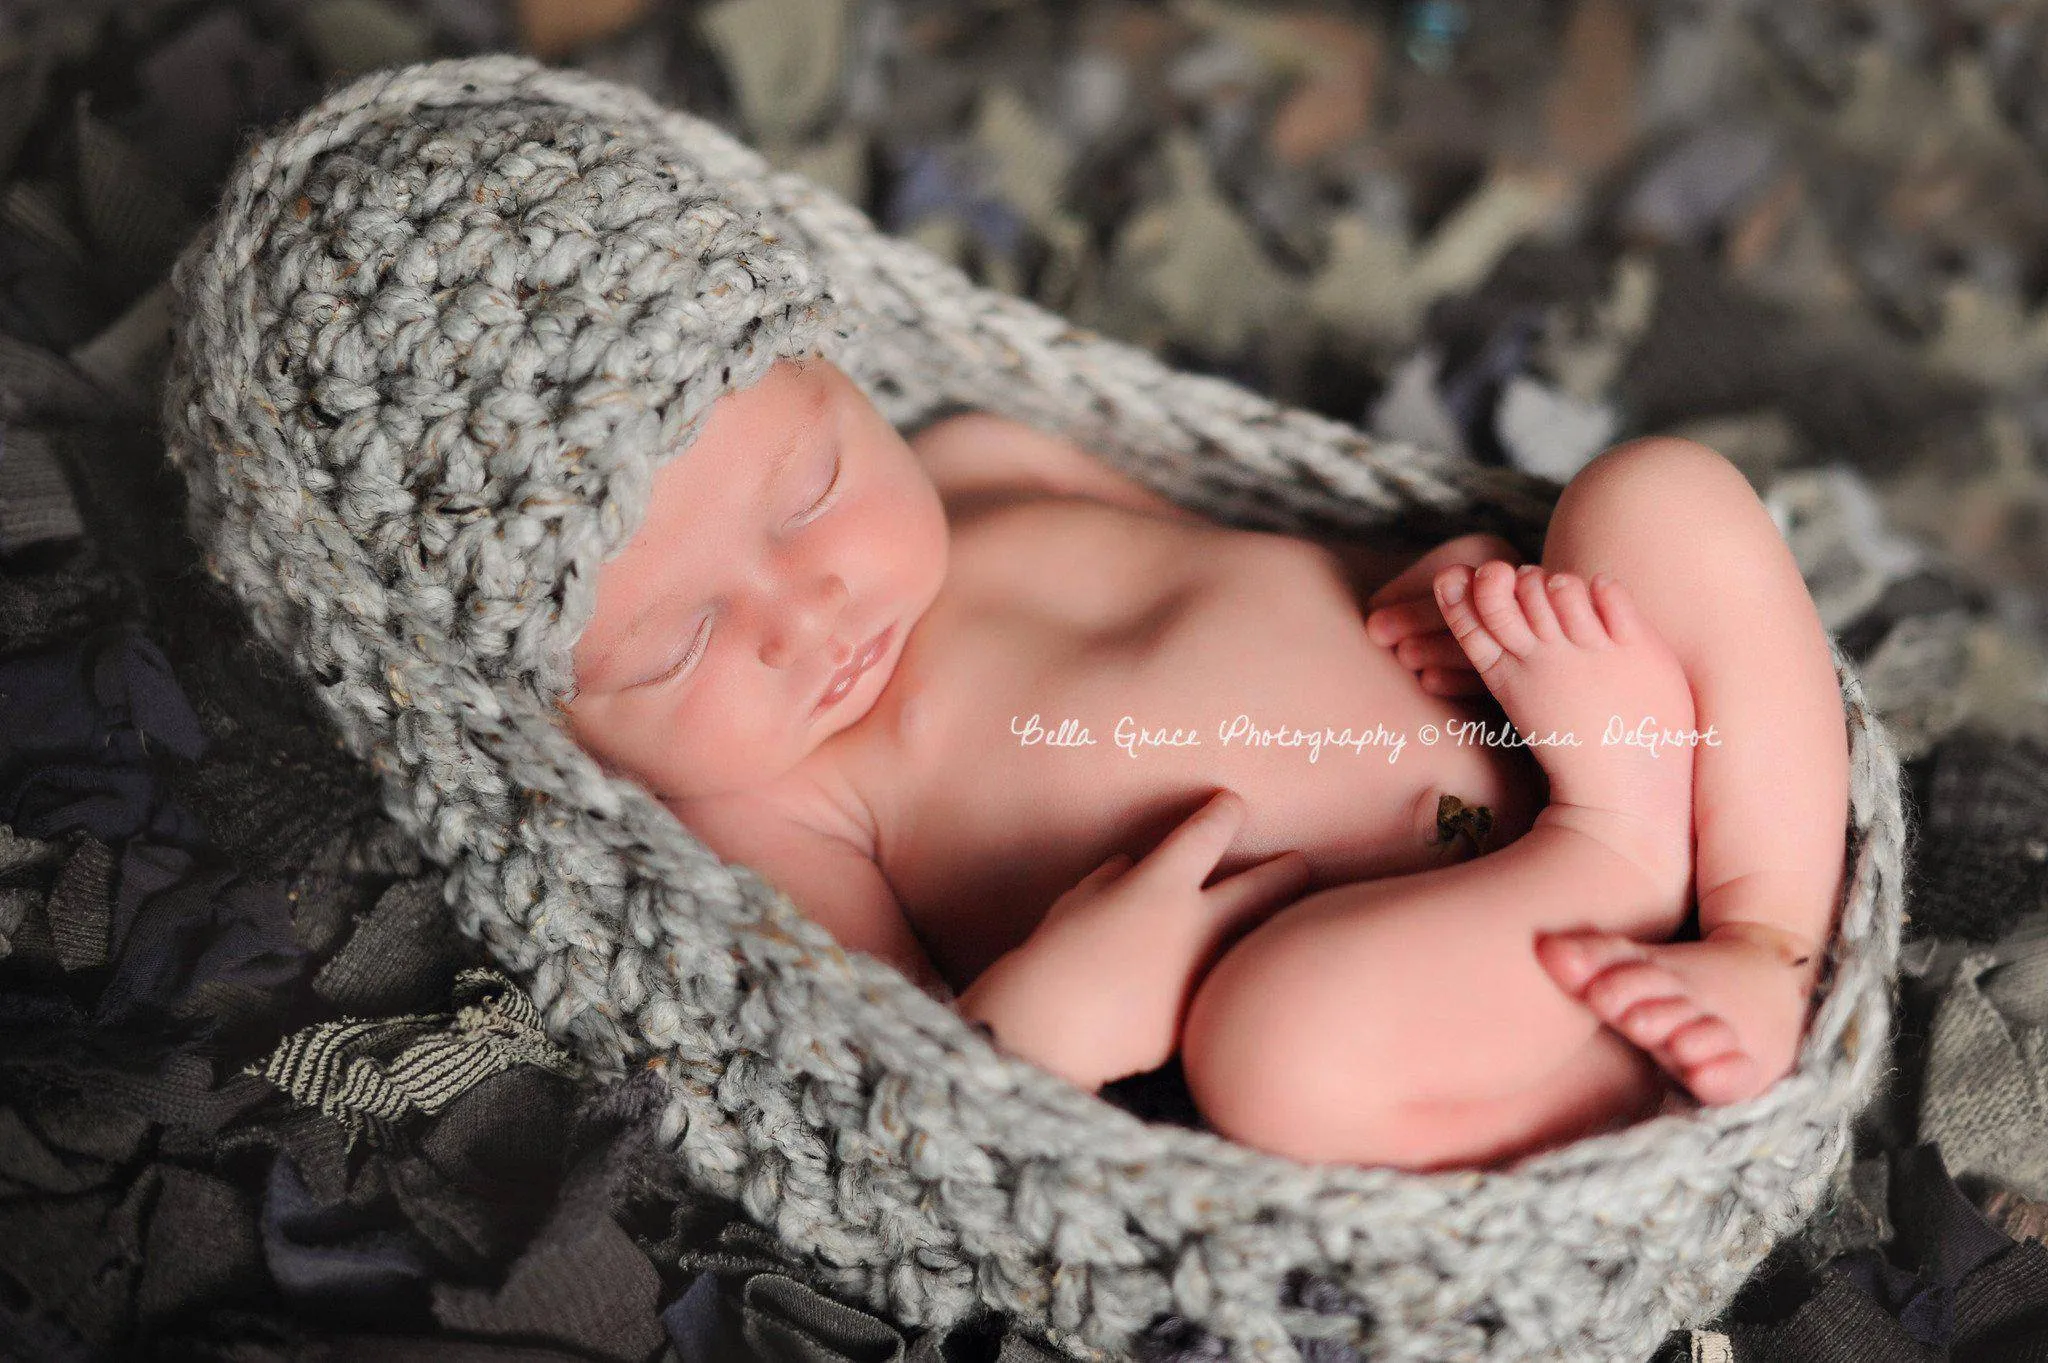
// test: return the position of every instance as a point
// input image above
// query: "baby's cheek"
(748, 737)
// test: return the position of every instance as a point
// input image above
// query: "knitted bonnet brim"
(428, 355)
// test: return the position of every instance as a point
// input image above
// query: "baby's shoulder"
(977, 459)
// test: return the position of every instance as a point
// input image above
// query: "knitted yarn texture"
(428, 354)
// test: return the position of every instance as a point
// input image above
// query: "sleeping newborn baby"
(1398, 856)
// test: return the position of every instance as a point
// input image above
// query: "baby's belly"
(1063, 747)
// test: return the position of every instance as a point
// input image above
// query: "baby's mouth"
(846, 678)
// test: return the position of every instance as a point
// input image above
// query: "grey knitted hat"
(428, 355)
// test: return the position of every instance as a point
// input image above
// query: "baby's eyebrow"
(778, 463)
(786, 449)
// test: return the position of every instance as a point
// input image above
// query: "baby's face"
(793, 534)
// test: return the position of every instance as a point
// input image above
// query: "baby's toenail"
(1451, 590)
(1557, 583)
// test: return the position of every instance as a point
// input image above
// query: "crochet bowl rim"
(1817, 1085)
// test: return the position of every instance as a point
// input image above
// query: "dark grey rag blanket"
(161, 1198)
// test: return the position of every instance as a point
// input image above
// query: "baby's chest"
(1057, 714)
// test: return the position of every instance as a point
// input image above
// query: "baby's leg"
(1709, 569)
(1407, 1020)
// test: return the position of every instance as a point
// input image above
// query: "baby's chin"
(768, 769)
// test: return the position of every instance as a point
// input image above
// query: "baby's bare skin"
(1126, 627)
(1064, 593)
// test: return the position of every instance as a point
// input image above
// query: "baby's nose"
(804, 620)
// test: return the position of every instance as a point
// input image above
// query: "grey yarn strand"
(429, 351)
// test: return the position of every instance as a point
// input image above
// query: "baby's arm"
(1061, 1010)
(1099, 989)
(834, 883)
(1096, 992)
(1070, 1012)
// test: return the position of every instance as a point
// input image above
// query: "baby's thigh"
(1681, 528)
(1336, 1028)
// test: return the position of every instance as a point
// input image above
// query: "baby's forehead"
(736, 466)
(709, 484)
(754, 433)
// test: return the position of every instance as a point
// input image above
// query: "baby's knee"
(1252, 1069)
(1338, 1090)
(1666, 490)
(1296, 1046)
(1662, 467)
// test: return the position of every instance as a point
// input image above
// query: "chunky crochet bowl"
(428, 354)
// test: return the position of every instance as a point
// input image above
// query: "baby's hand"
(1100, 988)
(1404, 616)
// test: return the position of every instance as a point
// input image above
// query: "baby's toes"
(1576, 959)
(1705, 1040)
(1652, 1023)
(1454, 598)
(1574, 605)
(1535, 603)
(1731, 1077)
(1493, 597)
(1622, 985)
(1617, 989)
(1617, 608)
(1708, 1058)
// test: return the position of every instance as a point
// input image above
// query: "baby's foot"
(1572, 666)
(1722, 1016)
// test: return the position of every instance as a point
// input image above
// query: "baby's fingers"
(1452, 683)
(1441, 649)
(1188, 855)
(1089, 888)
(1109, 870)
(1389, 625)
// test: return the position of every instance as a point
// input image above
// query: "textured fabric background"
(1702, 287)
